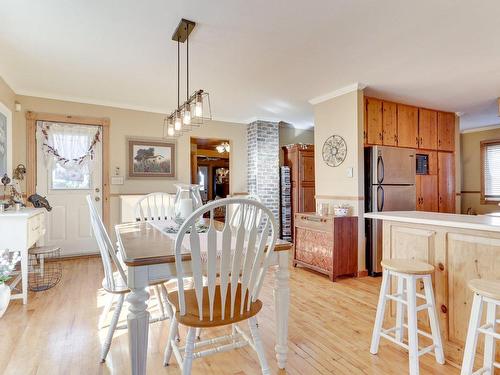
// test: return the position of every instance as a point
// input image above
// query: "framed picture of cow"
(151, 158)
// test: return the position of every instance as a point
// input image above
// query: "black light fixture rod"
(178, 73)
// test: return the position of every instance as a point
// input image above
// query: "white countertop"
(24, 212)
(480, 222)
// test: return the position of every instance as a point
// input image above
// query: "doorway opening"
(210, 167)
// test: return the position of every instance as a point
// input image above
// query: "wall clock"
(334, 151)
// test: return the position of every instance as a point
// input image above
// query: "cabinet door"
(407, 126)
(427, 129)
(446, 181)
(373, 121)
(446, 131)
(389, 123)
(433, 163)
(427, 193)
(306, 192)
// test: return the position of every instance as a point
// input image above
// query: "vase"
(4, 298)
(187, 200)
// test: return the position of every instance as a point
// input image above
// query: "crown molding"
(481, 129)
(342, 91)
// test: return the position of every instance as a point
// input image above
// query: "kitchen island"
(461, 248)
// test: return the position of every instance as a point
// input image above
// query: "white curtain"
(69, 145)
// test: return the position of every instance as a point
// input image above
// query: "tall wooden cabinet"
(300, 158)
(429, 132)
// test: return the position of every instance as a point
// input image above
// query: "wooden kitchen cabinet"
(373, 121)
(427, 129)
(446, 181)
(427, 193)
(446, 131)
(389, 124)
(407, 126)
(326, 244)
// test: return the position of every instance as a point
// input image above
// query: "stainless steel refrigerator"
(389, 186)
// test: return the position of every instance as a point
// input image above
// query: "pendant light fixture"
(196, 108)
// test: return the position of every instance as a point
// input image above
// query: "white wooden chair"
(155, 206)
(115, 282)
(235, 268)
(235, 212)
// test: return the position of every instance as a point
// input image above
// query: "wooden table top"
(143, 244)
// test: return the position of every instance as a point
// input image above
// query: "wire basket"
(45, 268)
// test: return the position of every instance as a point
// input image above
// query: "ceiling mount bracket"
(182, 31)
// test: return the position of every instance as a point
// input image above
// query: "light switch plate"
(117, 180)
(350, 172)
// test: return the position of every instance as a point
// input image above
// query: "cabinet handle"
(444, 309)
(380, 136)
(441, 266)
(421, 141)
(364, 135)
(395, 138)
(416, 140)
(439, 142)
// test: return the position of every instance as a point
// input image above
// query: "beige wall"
(7, 96)
(471, 173)
(128, 123)
(342, 116)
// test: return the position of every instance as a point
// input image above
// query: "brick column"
(263, 163)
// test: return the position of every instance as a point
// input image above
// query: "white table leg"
(138, 319)
(24, 274)
(281, 302)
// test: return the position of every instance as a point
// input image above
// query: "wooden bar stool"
(408, 271)
(485, 292)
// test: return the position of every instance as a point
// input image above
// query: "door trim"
(33, 117)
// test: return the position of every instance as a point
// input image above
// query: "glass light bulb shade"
(228, 147)
(178, 122)
(220, 148)
(187, 114)
(198, 110)
(171, 130)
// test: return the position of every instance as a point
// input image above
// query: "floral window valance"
(69, 145)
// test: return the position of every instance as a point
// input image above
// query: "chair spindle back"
(155, 206)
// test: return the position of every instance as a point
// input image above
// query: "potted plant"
(8, 262)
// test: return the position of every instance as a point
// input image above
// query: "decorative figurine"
(5, 180)
(38, 201)
(19, 172)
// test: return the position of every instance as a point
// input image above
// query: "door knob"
(97, 199)
(97, 190)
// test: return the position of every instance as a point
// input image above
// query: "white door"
(68, 224)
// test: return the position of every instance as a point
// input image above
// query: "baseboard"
(362, 273)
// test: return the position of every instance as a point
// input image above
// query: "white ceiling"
(258, 59)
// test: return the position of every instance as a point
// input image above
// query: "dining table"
(148, 253)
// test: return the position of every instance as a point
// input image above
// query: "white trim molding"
(481, 129)
(343, 90)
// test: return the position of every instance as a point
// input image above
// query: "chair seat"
(121, 287)
(486, 288)
(192, 318)
(408, 266)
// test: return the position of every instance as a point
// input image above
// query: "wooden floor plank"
(330, 330)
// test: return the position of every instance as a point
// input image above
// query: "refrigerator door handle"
(380, 198)
(380, 169)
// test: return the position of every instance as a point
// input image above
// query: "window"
(490, 172)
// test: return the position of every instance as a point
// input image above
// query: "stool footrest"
(392, 339)
(427, 349)
(424, 306)
(488, 329)
(395, 297)
(420, 332)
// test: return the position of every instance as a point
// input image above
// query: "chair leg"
(379, 318)
(105, 311)
(489, 341)
(472, 334)
(400, 312)
(259, 347)
(172, 337)
(187, 363)
(159, 300)
(433, 319)
(112, 327)
(411, 287)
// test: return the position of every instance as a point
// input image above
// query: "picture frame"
(151, 158)
(5, 141)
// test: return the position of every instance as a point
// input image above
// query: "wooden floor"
(329, 332)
